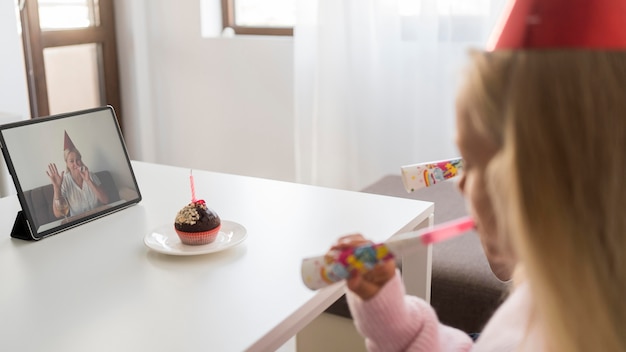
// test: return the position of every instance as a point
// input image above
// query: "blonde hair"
(66, 154)
(559, 118)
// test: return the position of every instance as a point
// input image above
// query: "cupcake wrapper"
(198, 238)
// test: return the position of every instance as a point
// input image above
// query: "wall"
(208, 103)
(13, 90)
(220, 104)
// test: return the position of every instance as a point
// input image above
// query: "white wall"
(13, 90)
(208, 103)
(220, 104)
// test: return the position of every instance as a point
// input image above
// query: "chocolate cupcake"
(196, 224)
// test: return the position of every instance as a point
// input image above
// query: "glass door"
(71, 56)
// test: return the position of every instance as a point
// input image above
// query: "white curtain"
(375, 82)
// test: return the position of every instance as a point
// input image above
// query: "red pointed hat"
(67, 143)
(573, 24)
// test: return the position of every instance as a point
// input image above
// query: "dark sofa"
(39, 199)
(464, 291)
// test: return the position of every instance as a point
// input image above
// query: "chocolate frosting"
(196, 217)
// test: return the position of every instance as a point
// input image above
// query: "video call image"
(70, 168)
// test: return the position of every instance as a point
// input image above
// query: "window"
(278, 17)
(68, 14)
(70, 55)
(259, 17)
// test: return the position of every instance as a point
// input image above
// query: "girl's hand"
(366, 285)
(54, 175)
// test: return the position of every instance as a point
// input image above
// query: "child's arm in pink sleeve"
(393, 321)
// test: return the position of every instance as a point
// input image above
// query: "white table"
(97, 287)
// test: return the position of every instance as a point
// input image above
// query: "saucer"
(165, 240)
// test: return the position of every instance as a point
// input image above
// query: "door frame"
(35, 41)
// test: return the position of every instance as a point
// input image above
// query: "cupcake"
(196, 224)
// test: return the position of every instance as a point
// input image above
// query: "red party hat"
(67, 143)
(574, 24)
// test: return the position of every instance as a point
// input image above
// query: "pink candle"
(193, 187)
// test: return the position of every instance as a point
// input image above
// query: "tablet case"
(23, 228)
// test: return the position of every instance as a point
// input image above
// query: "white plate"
(165, 240)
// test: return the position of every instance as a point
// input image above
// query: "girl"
(542, 134)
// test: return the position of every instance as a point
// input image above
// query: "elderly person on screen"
(78, 190)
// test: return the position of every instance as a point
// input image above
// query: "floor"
(327, 333)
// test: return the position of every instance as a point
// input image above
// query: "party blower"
(422, 175)
(321, 271)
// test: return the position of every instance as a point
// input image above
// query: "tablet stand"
(21, 229)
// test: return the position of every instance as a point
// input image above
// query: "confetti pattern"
(319, 272)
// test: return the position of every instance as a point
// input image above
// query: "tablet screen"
(69, 169)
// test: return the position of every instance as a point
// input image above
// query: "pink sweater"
(393, 321)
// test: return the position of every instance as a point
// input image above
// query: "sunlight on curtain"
(375, 82)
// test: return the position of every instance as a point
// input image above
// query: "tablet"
(68, 169)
